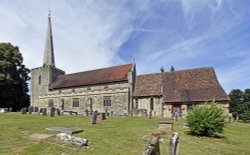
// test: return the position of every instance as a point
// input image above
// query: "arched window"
(39, 80)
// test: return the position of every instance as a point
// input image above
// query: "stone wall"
(41, 78)
(144, 103)
(118, 93)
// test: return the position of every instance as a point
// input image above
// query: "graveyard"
(27, 134)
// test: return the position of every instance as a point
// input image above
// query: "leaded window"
(107, 101)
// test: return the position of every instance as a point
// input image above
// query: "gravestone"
(36, 109)
(58, 112)
(150, 114)
(176, 115)
(94, 117)
(86, 112)
(23, 110)
(44, 111)
(112, 113)
(106, 112)
(52, 112)
(30, 109)
(10, 109)
(174, 144)
(40, 111)
(166, 125)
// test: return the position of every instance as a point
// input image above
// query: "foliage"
(13, 77)
(162, 69)
(172, 69)
(206, 120)
(239, 103)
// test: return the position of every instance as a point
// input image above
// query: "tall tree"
(237, 97)
(13, 78)
(247, 95)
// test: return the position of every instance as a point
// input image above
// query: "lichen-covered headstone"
(94, 117)
(52, 112)
(44, 111)
(30, 109)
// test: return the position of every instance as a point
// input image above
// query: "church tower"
(43, 77)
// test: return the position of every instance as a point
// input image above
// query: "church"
(120, 91)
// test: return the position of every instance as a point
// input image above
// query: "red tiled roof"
(199, 84)
(93, 77)
(148, 85)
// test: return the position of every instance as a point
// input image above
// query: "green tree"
(162, 69)
(172, 69)
(247, 95)
(206, 119)
(13, 78)
(236, 98)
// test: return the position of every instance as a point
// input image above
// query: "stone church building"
(119, 90)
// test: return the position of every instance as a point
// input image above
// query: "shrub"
(206, 119)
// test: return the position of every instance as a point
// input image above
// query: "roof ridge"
(209, 67)
(97, 69)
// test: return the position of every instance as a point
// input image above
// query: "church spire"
(48, 57)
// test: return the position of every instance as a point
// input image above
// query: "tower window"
(39, 80)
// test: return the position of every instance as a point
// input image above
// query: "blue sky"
(94, 34)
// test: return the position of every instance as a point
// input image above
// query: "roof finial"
(49, 13)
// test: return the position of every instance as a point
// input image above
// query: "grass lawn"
(114, 136)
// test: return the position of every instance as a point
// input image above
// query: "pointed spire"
(48, 57)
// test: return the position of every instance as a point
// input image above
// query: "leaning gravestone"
(174, 144)
(52, 112)
(94, 117)
(44, 111)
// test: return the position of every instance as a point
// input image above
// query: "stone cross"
(52, 112)
(94, 117)
(174, 144)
